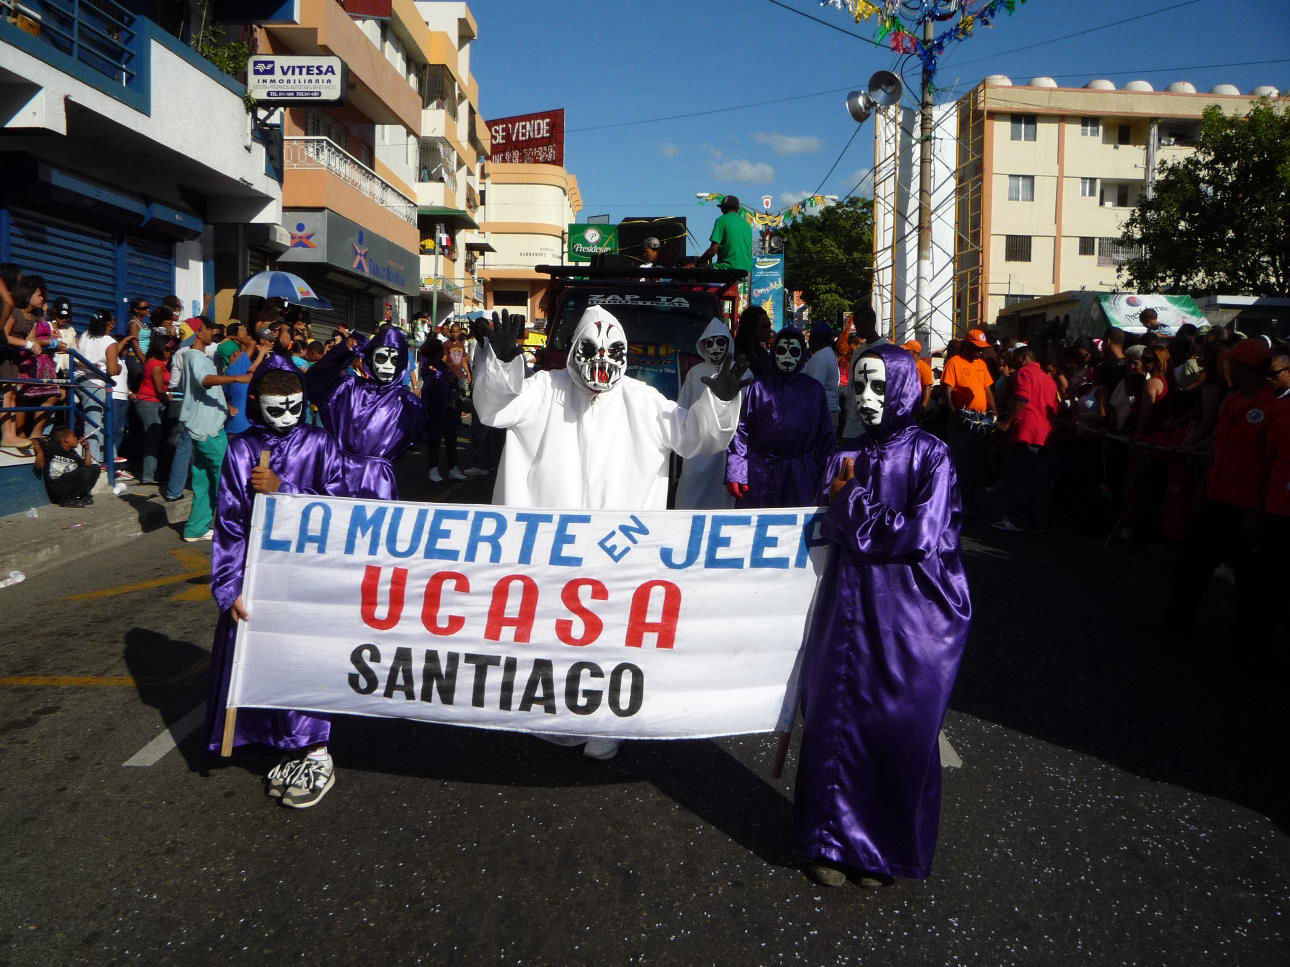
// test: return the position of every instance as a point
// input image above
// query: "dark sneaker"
(309, 783)
(280, 776)
(872, 881)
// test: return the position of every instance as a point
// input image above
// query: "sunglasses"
(1277, 372)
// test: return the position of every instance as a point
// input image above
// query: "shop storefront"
(97, 246)
(354, 269)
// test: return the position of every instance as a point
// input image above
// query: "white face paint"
(714, 349)
(599, 355)
(282, 413)
(788, 354)
(385, 364)
(870, 384)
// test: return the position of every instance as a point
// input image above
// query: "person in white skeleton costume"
(702, 485)
(589, 436)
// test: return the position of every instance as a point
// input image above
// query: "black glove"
(725, 383)
(479, 329)
(502, 339)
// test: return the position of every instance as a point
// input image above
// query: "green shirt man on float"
(731, 238)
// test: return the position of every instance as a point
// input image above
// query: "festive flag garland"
(769, 219)
(900, 22)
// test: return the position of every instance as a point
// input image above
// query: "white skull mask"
(715, 349)
(598, 357)
(788, 354)
(869, 381)
(282, 413)
(385, 363)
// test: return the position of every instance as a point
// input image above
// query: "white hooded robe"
(703, 477)
(569, 447)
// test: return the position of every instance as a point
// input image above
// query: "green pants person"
(208, 461)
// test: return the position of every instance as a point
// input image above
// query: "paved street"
(1121, 801)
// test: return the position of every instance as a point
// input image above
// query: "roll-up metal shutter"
(366, 316)
(342, 312)
(76, 259)
(149, 268)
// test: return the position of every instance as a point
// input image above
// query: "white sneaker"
(477, 472)
(1003, 524)
(208, 536)
(309, 782)
(601, 749)
(456, 474)
(435, 475)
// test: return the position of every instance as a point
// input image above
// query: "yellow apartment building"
(1048, 175)
(527, 211)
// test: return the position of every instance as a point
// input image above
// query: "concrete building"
(453, 144)
(127, 157)
(349, 204)
(526, 214)
(1048, 175)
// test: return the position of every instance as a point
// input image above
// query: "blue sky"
(608, 61)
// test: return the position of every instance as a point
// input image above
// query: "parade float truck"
(663, 311)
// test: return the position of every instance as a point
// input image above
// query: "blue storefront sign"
(323, 237)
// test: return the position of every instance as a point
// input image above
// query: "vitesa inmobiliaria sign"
(290, 79)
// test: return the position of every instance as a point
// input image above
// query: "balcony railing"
(98, 33)
(311, 154)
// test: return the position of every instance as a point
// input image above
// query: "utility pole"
(922, 321)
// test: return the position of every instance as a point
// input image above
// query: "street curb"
(61, 535)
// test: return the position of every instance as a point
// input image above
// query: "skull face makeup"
(715, 348)
(385, 364)
(869, 381)
(598, 358)
(282, 413)
(789, 350)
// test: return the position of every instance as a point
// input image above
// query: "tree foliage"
(829, 257)
(1219, 220)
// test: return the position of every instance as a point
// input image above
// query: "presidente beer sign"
(528, 139)
(646, 624)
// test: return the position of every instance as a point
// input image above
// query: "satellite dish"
(860, 105)
(885, 88)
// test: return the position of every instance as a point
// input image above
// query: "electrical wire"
(831, 26)
(714, 110)
(836, 161)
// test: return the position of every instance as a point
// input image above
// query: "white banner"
(659, 624)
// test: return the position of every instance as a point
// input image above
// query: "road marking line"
(195, 565)
(152, 753)
(75, 681)
(64, 681)
(949, 757)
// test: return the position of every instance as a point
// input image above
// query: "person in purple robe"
(885, 640)
(375, 418)
(785, 434)
(302, 460)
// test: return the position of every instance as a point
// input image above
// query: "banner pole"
(230, 714)
(781, 753)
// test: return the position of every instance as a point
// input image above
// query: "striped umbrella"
(285, 286)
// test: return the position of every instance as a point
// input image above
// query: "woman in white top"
(93, 391)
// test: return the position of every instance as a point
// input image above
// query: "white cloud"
(669, 150)
(787, 198)
(749, 172)
(788, 143)
(862, 178)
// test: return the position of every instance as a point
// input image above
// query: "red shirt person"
(1029, 424)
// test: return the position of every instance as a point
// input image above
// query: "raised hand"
(725, 382)
(502, 339)
(737, 490)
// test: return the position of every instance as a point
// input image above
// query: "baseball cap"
(61, 308)
(1251, 352)
(977, 338)
(1135, 351)
(914, 346)
(652, 242)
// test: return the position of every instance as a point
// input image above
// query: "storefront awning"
(479, 247)
(455, 215)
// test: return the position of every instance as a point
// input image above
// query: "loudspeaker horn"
(885, 88)
(859, 105)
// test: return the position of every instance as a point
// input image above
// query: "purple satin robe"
(884, 646)
(784, 437)
(374, 424)
(308, 462)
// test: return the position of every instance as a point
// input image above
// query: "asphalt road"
(1121, 801)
